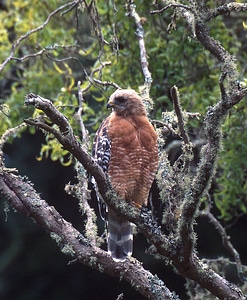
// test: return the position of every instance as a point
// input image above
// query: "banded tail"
(120, 237)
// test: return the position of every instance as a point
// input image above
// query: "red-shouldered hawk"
(125, 147)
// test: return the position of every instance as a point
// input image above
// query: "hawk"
(125, 147)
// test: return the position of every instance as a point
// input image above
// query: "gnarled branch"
(27, 201)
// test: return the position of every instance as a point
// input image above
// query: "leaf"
(59, 70)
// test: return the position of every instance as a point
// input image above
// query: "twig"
(81, 190)
(78, 117)
(178, 111)
(226, 241)
(6, 135)
(65, 59)
(47, 50)
(120, 296)
(187, 155)
(91, 78)
(106, 83)
(49, 109)
(25, 36)
(186, 11)
(95, 19)
(228, 64)
(65, 136)
(172, 5)
(207, 166)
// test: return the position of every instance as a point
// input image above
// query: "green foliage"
(39, 74)
(231, 196)
(36, 74)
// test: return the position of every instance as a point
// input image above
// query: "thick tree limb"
(26, 200)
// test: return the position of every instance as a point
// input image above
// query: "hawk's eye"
(120, 100)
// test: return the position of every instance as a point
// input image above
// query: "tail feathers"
(120, 237)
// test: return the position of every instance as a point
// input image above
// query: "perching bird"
(125, 147)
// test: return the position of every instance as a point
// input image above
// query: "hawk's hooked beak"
(110, 104)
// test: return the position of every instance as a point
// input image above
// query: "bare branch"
(78, 116)
(215, 114)
(171, 5)
(5, 136)
(131, 11)
(81, 192)
(107, 83)
(91, 79)
(177, 108)
(206, 169)
(226, 241)
(187, 155)
(95, 19)
(25, 36)
(226, 9)
(65, 137)
(47, 50)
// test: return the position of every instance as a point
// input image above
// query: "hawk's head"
(126, 102)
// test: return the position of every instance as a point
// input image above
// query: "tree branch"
(226, 241)
(171, 5)
(131, 11)
(187, 145)
(26, 200)
(226, 9)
